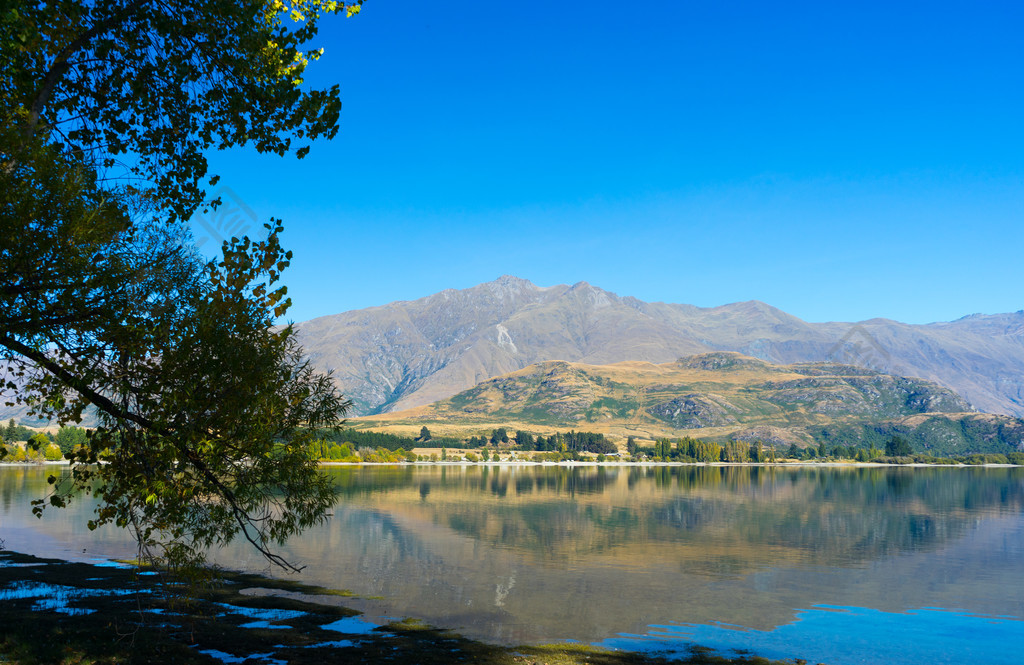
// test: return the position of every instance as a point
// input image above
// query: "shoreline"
(579, 463)
(85, 612)
(880, 465)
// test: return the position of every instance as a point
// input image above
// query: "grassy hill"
(718, 396)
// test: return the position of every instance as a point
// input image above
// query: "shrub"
(381, 455)
(903, 459)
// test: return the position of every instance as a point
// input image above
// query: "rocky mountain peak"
(510, 285)
(722, 360)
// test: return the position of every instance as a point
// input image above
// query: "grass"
(112, 616)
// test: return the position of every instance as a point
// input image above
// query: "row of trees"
(38, 446)
(570, 445)
(369, 439)
(688, 449)
(12, 432)
(684, 449)
(350, 445)
(564, 442)
(67, 439)
(896, 446)
(570, 441)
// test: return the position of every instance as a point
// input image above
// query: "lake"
(831, 564)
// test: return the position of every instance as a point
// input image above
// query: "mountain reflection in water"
(523, 554)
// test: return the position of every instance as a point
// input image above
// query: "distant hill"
(413, 353)
(723, 396)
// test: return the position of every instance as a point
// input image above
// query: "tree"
(38, 441)
(600, 445)
(206, 410)
(424, 434)
(897, 446)
(69, 438)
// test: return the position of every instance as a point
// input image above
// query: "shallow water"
(56, 597)
(833, 565)
(852, 636)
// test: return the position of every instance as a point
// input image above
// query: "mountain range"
(412, 353)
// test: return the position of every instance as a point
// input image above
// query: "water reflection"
(821, 516)
(557, 552)
(517, 554)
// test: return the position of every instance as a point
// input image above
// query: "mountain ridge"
(415, 352)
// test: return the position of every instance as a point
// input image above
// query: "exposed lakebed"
(837, 565)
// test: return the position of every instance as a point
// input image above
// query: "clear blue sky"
(840, 161)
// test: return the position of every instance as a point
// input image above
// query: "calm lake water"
(834, 565)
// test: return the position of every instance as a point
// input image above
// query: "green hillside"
(720, 396)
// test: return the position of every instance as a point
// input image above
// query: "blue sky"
(838, 162)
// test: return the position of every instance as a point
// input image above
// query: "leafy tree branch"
(205, 406)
